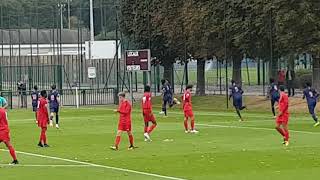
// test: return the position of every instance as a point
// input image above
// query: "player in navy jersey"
(274, 95)
(54, 103)
(167, 96)
(312, 97)
(236, 94)
(34, 99)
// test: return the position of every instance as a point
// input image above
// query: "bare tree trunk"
(273, 69)
(168, 71)
(201, 82)
(316, 73)
(236, 71)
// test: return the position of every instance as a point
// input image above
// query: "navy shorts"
(34, 108)
(237, 103)
(312, 106)
(54, 110)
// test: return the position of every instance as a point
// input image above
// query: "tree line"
(225, 29)
(179, 30)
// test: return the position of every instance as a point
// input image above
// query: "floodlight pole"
(225, 50)
(69, 21)
(91, 21)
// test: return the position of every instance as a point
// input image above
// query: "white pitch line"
(98, 165)
(253, 128)
(44, 165)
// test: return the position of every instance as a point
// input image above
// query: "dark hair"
(189, 86)
(308, 84)
(271, 80)
(282, 88)
(163, 81)
(233, 81)
(35, 87)
(53, 87)
(147, 88)
(122, 94)
(43, 93)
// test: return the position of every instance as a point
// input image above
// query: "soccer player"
(274, 95)
(147, 114)
(3, 103)
(5, 134)
(312, 97)
(54, 103)
(187, 109)
(236, 94)
(124, 125)
(43, 118)
(34, 99)
(167, 96)
(283, 116)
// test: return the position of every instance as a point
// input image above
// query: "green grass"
(224, 149)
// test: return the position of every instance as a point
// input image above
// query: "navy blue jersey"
(310, 94)
(274, 91)
(53, 99)
(236, 92)
(166, 91)
(35, 98)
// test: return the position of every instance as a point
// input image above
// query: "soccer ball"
(176, 101)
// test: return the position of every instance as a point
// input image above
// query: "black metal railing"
(68, 97)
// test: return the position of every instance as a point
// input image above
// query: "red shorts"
(188, 114)
(282, 120)
(4, 136)
(43, 123)
(124, 126)
(148, 116)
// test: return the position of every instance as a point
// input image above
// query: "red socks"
(12, 151)
(118, 139)
(286, 135)
(152, 128)
(280, 130)
(145, 129)
(43, 136)
(131, 140)
(192, 124)
(186, 124)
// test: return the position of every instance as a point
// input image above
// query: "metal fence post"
(115, 96)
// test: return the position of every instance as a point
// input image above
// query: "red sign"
(138, 60)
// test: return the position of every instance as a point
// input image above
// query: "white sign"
(102, 49)
(133, 68)
(92, 72)
(133, 54)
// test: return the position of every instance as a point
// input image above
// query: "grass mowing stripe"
(253, 128)
(97, 165)
(45, 165)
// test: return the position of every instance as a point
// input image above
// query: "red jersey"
(42, 113)
(284, 104)
(186, 99)
(3, 120)
(146, 102)
(125, 112)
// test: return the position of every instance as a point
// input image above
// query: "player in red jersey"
(5, 134)
(187, 109)
(283, 116)
(124, 125)
(43, 118)
(147, 113)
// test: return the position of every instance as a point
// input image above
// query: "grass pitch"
(224, 149)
